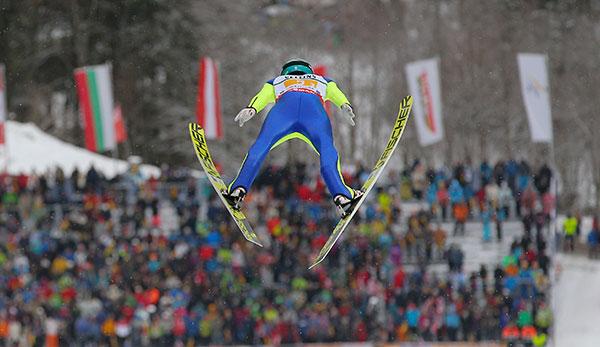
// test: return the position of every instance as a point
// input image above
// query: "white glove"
(245, 115)
(348, 113)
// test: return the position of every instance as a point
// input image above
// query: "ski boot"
(235, 197)
(345, 205)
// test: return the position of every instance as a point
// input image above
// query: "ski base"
(405, 107)
(201, 148)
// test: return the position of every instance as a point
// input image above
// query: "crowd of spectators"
(159, 262)
(508, 188)
(509, 303)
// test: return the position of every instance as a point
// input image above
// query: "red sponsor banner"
(423, 77)
(427, 101)
(208, 106)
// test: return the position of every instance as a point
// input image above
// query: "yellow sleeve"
(263, 98)
(335, 95)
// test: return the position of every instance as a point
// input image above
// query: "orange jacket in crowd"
(461, 212)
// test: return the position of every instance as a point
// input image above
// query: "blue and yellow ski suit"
(298, 113)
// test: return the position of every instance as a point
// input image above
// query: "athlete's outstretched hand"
(348, 113)
(245, 115)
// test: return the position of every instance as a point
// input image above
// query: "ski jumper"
(298, 113)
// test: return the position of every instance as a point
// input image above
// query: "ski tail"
(399, 125)
(201, 149)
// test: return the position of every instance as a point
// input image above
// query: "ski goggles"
(296, 68)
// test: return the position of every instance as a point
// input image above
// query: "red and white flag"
(2, 105)
(120, 131)
(208, 107)
(321, 70)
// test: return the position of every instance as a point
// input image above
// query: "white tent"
(32, 151)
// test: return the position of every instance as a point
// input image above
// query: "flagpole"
(115, 151)
(6, 153)
(5, 150)
(554, 184)
(4, 120)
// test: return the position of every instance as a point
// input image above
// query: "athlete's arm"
(258, 102)
(335, 95)
(263, 98)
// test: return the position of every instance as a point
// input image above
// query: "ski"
(405, 107)
(201, 148)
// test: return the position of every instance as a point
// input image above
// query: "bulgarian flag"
(94, 88)
(208, 106)
(2, 105)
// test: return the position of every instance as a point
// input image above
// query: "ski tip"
(194, 127)
(406, 101)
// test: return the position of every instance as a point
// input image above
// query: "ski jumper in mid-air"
(299, 96)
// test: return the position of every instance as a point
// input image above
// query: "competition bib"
(309, 83)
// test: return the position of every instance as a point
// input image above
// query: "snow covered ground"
(476, 251)
(576, 301)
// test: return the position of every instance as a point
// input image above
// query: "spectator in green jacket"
(543, 317)
(570, 229)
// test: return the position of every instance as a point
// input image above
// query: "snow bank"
(576, 301)
(32, 151)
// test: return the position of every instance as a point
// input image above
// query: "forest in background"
(154, 46)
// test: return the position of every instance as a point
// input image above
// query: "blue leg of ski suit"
(295, 115)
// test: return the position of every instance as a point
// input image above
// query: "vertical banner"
(321, 70)
(3, 111)
(94, 88)
(120, 131)
(534, 88)
(3, 118)
(424, 85)
(208, 106)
